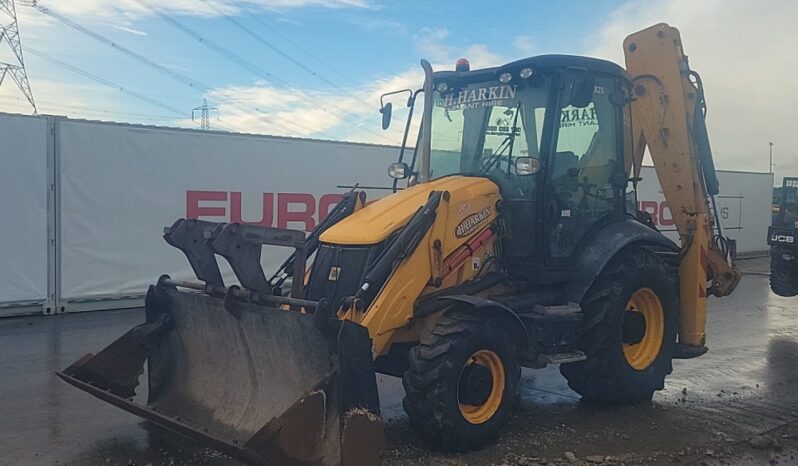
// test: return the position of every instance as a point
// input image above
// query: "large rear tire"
(462, 382)
(630, 328)
(783, 274)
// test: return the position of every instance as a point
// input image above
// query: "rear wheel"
(783, 274)
(461, 383)
(631, 320)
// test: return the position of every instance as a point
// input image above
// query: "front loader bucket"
(257, 382)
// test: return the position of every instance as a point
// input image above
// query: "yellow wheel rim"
(640, 355)
(478, 414)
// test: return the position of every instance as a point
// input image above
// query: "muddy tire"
(783, 275)
(630, 327)
(461, 383)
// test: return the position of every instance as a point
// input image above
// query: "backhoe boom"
(668, 117)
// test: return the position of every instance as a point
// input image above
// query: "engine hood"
(375, 222)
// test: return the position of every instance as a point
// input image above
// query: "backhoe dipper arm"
(668, 116)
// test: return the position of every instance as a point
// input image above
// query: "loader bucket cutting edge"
(261, 384)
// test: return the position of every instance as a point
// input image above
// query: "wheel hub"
(634, 327)
(643, 328)
(476, 385)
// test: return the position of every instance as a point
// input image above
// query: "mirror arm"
(412, 105)
(426, 130)
(382, 97)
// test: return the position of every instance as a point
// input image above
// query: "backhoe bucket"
(265, 383)
(259, 383)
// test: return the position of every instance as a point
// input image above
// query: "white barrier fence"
(24, 182)
(120, 185)
(95, 242)
(744, 207)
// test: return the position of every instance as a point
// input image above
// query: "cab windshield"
(479, 128)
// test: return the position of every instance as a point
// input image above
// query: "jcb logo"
(782, 239)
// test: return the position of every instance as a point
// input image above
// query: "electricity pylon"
(9, 34)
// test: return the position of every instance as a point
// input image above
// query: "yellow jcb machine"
(514, 242)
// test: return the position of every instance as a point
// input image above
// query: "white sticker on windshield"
(477, 97)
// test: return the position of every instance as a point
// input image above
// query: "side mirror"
(398, 171)
(526, 166)
(386, 115)
(582, 90)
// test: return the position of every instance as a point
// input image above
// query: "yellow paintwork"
(662, 115)
(377, 220)
(392, 308)
(480, 414)
(693, 283)
(662, 118)
(640, 355)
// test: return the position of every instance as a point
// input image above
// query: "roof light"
(462, 65)
(505, 78)
(525, 73)
(442, 87)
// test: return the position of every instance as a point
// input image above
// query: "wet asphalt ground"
(738, 404)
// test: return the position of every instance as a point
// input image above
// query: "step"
(558, 310)
(562, 358)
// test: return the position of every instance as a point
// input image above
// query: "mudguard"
(484, 305)
(607, 243)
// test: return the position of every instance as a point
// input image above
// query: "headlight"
(442, 87)
(525, 73)
(505, 78)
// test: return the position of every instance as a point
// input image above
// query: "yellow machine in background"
(516, 242)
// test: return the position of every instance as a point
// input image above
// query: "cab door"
(582, 191)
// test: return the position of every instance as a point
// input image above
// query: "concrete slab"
(711, 409)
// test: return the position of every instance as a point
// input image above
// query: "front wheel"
(461, 383)
(783, 273)
(631, 322)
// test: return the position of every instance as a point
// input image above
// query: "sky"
(316, 68)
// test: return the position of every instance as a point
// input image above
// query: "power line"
(90, 110)
(285, 55)
(297, 46)
(241, 61)
(228, 54)
(113, 85)
(16, 71)
(107, 83)
(80, 111)
(186, 80)
(275, 49)
(181, 78)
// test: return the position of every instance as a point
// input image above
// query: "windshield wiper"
(507, 144)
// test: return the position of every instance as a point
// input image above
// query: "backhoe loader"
(781, 239)
(511, 240)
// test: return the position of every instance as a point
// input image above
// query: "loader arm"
(668, 117)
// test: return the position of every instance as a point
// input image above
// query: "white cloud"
(745, 52)
(132, 9)
(130, 30)
(526, 46)
(56, 97)
(351, 115)
(432, 44)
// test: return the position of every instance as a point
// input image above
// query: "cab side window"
(582, 167)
